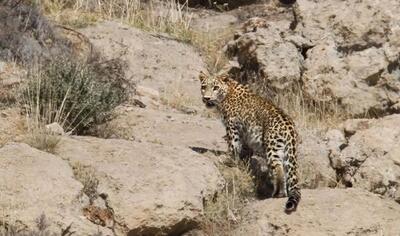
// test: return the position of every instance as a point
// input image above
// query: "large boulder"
(349, 22)
(330, 50)
(30, 37)
(152, 189)
(354, 61)
(166, 128)
(313, 159)
(262, 49)
(371, 159)
(360, 82)
(39, 192)
(323, 212)
(154, 61)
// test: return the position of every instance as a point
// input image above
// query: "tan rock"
(349, 21)
(149, 92)
(351, 126)
(371, 159)
(169, 128)
(35, 183)
(335, 140)
(154, 61)
(324, 212)
(355, 81)
(314, 165)
(153, 189)
(337, 57)
(361, 53)
(55, 128)
(214, 22)
(277, 60)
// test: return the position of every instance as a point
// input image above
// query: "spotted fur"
(255, 123)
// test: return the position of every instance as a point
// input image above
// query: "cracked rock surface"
(172, 129)
(154, 61)
(35, 183)
(152, 189)
(324, 212)
(371, 159)
(336, 54)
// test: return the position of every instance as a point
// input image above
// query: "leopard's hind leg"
(276, 173)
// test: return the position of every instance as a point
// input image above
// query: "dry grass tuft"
(66, 12)
(17, 229)
(309, 116)
(306, 114)
(156, 16)
(13, 125)
(87, 176)
(41, 139)
(210, 45)
(168, 17)
(222, 213)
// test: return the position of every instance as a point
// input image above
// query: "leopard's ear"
(224, 77)
(202, 76)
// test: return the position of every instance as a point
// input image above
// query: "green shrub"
(76, 95)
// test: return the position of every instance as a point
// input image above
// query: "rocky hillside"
(152, 160)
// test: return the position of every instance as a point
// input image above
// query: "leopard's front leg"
(233, 138)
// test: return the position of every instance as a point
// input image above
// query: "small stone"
(129, 109)
(188, 110)
(55, 128)
(147, 92)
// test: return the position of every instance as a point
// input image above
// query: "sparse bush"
(76, 95)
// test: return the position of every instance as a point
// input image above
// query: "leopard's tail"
(292, 182)
(293, 200)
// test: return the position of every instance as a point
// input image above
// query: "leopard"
(254, 122)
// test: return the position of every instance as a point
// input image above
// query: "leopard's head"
(213, 88)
